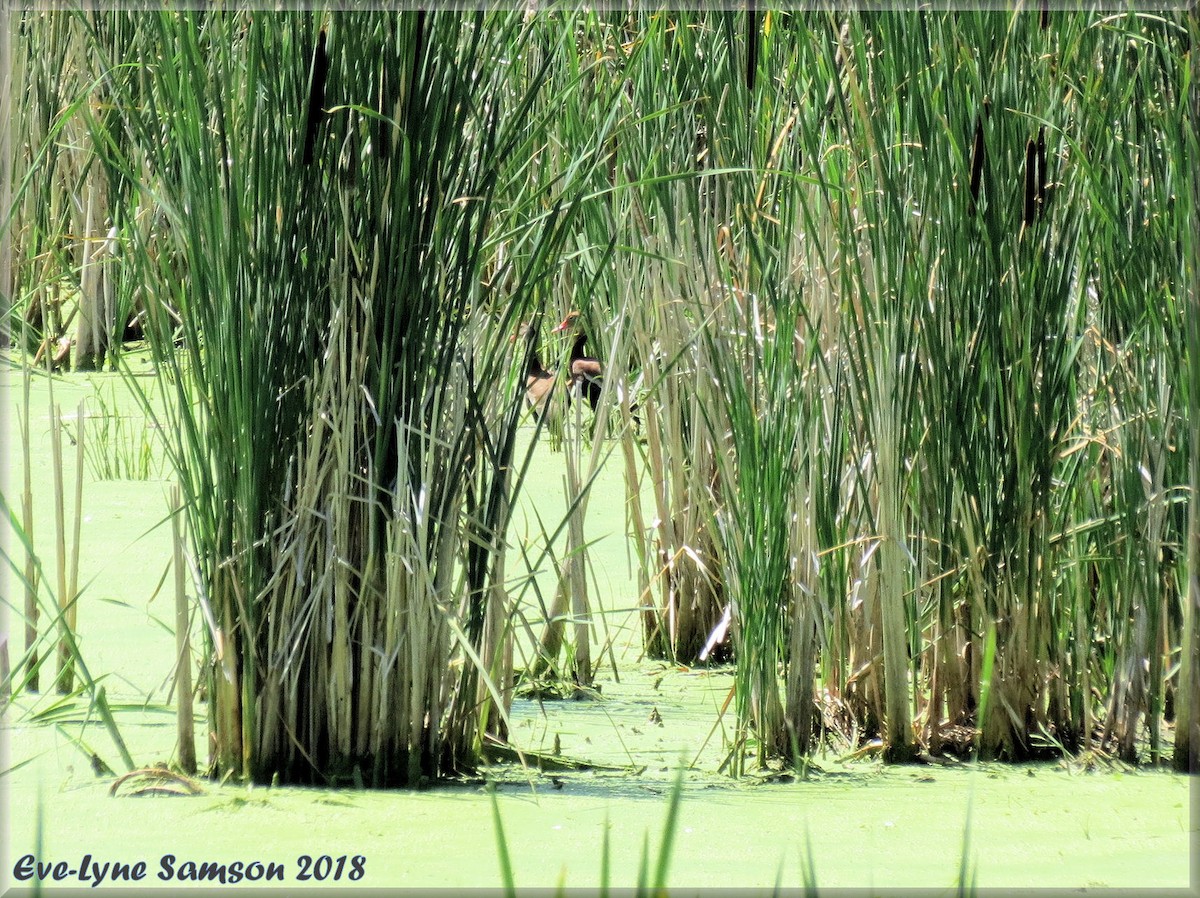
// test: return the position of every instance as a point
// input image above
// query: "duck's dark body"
(587, 376)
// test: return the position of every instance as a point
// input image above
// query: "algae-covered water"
(862, 825)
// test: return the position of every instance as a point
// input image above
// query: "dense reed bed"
(899, 318)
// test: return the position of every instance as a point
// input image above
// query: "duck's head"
(567, 323)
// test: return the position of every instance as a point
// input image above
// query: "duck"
(586, 373)
(539, 381)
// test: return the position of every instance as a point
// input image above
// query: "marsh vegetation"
(897, 385)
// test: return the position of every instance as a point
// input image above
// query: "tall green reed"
(345, 400)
